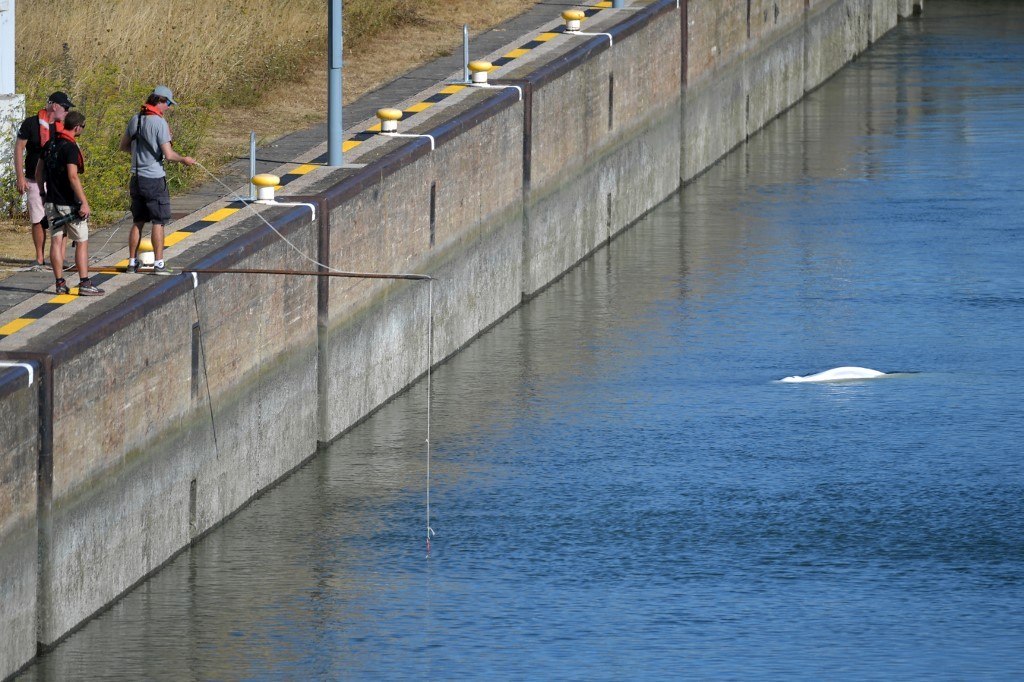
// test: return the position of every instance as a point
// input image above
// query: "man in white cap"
(148, 138)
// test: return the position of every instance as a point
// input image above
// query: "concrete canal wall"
(164, 413)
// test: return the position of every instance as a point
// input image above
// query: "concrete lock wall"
(148, 468)
(604, 143)
(203, 397)
(19, 454)
(470, 241)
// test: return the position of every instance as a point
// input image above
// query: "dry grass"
(231, 68)
(195, 47)
(302, 100)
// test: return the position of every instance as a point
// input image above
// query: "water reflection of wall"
(840, 132)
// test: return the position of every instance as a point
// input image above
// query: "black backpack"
(52, 167)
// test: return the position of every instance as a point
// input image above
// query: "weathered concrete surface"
(140, 474)
(603, 150)
(19, 455)
(201, 399)
(470, 241)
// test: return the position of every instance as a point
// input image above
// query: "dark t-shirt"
(29, 131)
(59, 154)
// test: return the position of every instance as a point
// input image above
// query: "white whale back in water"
(836, 374)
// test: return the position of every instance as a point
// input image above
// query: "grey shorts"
(76, 230)
(151, 200)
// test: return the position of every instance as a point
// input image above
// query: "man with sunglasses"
(33, 136)
(148, 138)
(67, 209)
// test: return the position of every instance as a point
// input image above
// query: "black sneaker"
(62, 287)
(87, 288)
(162, 270)
(39, 267)
(135, 268)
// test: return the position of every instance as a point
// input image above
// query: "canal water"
(622, 489)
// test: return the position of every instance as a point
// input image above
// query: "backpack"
(52, 167)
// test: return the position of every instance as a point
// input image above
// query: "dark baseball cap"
(61, 99)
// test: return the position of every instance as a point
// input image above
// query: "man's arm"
(19, 165)
(76, 185)
(172, 155)
(125, 144)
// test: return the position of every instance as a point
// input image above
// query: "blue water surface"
(620, 487)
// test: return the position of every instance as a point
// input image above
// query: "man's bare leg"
(39, 239)
(57, 255)
(158, 242)
(134, 237)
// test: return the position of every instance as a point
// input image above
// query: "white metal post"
(12, 106)
(6, 47)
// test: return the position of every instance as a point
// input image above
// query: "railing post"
(334, 85)
(465, 53)
(252, 164)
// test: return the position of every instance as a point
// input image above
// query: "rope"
(97, 258)
(249, 205)
(331, 272)
(430, 364)
(206, 375)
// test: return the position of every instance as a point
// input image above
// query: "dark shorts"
(151, 201)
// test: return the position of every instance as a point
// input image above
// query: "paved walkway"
(27, 310)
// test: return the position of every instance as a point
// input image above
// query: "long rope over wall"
(325, 271)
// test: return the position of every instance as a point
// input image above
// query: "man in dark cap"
(33, 135)
(148, 138)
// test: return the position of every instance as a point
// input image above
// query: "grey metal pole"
(465, 53)
(334, 85)
(252, 164)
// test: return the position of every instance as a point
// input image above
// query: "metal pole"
(7, 47)
(465, 53)
(12, 106)
(308, 273)
(252, 164)
(334, 85)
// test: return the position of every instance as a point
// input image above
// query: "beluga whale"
(836, 374)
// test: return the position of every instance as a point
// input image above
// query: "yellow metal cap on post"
(266, 180)
(479, 69)
(573, 19)
(389, 119)
(265, 184)
(145, 252)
